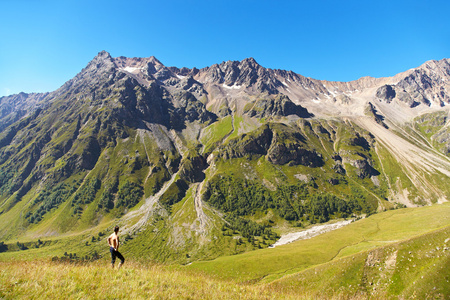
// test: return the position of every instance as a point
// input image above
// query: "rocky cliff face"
(427, 85)
(15, 107)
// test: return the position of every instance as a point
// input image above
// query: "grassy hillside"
(376, 231)
(401, 253)
(414, 268)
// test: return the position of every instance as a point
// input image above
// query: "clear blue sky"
(45, 43)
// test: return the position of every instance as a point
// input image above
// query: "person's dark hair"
(116, 229)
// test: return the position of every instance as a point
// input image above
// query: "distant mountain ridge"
(427, 85)
(185, 157)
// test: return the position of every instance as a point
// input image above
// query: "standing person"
(113, 242)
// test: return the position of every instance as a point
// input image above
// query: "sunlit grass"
(416, 268)
(49, 280)
(375, 231)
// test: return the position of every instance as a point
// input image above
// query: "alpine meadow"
(233, 181)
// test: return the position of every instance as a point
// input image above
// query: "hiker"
(113, 242)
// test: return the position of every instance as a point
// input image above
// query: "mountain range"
(198, 163)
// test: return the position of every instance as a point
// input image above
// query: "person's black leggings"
(115, 254)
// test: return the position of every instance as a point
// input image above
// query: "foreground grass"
(49, 280)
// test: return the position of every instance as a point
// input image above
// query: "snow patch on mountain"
(131, 69)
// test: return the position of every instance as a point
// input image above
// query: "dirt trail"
(164, 140)
(142, 134)
(201, 216)
(380, 201)
(146, 210)
(382, 168)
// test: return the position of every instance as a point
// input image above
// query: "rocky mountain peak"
(250, 61)
(441, 67)
(427, 85)
(246, 74)
(102, 59)
(155, 61)
(103, 54)
(98, 69)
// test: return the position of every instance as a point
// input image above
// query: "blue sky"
(45, 43)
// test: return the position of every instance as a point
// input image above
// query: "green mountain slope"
(196, 164)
